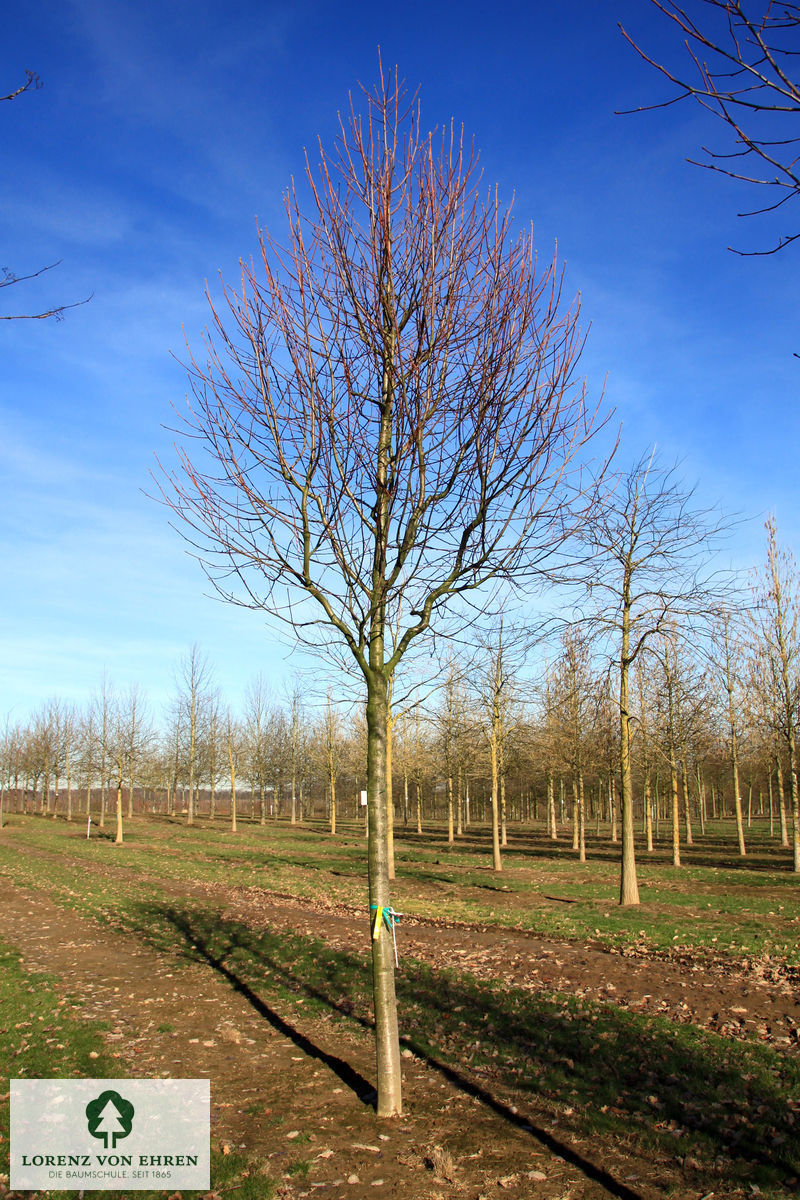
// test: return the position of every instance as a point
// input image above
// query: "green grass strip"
(40, 1038)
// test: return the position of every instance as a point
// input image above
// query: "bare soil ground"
(291, 1091)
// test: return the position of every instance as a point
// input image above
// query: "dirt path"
(291, 1091)
(735, 999)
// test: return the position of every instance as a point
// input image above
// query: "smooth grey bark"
(387, 1042)
(629, 884)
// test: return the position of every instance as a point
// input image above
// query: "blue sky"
(163, 132)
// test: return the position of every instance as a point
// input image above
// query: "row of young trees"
(386, 427)
(111, 756)
(515, 731)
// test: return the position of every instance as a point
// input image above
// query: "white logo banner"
(105, 1134)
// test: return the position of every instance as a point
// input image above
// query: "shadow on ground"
(730, 1108)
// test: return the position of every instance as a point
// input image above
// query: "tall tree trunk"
(118, 838)
(459, 804)
(232, 765)
(389, 788)
(628, 883)
(332, 785)
(383, 989)
(192, 731)
(581, 820)
(781, 801)
(497, 861)
(676, 816)
(701, 798)
(687, 810)
(648, 811)
(551, 807)
(795, 798)
(69, 788)
(734, 749)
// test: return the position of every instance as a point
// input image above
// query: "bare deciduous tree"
(257, 710)
(573, 689)
(449, 719)
(195, 694)
(331, 746)
(214, 749)
(387, 405)
(645, 689)
(297, 744)
(742, 68)
(777, 626)
(649, 547)
(671, 694)
(726, 657)
(496, 686)
(235, 748)
(10, 756)
(69, 739)
(102, 709)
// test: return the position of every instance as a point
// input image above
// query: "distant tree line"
(529, 732)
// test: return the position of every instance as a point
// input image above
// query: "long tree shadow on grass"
(216, 958)
(187, 926)
(732, 1106)
(710, 850)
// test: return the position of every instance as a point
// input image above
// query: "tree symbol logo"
(110, 1118)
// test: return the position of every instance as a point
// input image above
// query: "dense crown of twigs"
(743, 68)
(387, 406)
(650, 549)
